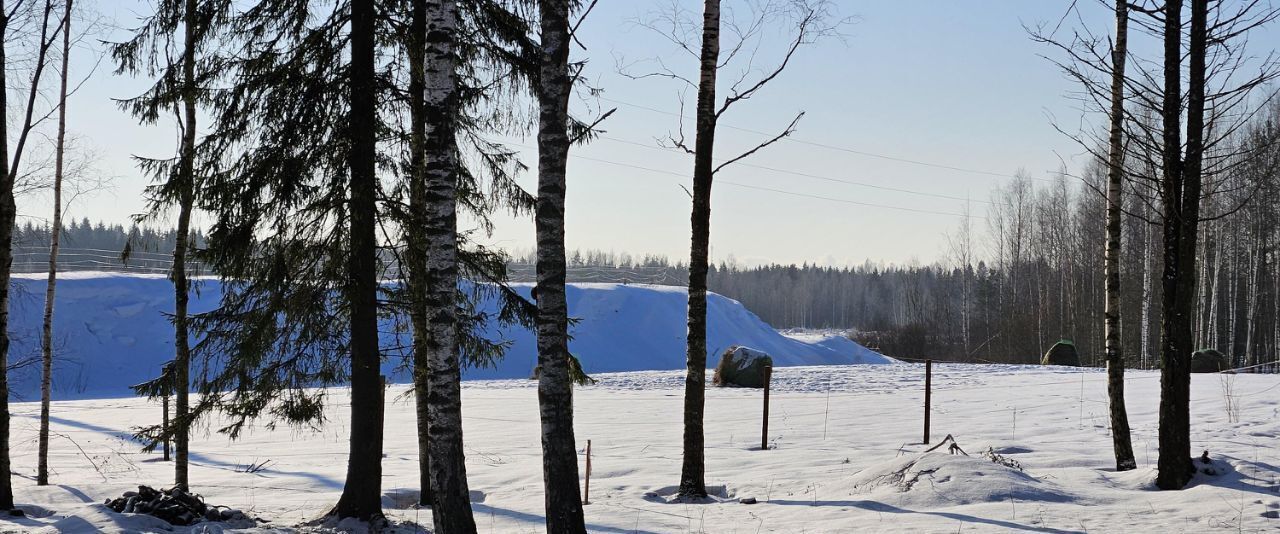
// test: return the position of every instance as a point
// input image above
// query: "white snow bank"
(111, 332)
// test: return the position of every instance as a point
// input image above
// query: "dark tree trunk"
(693, 471)
(451, 504)
(1181, 196)
(416, 254)
(361, 495)
(181, 286)
(8, 215)
(1121, 442)
(555, 391)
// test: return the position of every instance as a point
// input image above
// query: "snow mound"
(625, 327)
(938, 479)
(112, 331)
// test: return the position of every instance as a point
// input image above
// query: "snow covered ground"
(844, 457)
(111, 332)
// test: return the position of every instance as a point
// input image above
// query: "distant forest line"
(1040, 280)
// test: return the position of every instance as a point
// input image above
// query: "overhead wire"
(811, 175)
(793, 139)
(760, 188)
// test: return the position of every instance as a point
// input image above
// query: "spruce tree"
(185, 29)
(295, 220)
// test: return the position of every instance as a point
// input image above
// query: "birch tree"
(55, 230)
(471, 68)
(10, 163)
(435, 22)
(1121, 443)
(554, 85)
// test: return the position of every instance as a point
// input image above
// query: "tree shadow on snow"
(197, 458)
(480, 510)
(23, 524)
(75, 492)
(1239, 474)
(874, 506)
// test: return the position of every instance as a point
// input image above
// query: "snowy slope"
(111, 332)
(845, 456)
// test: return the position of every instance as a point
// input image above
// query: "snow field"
(839, 437)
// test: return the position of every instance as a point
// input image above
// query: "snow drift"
(112, 331)
(936, 480)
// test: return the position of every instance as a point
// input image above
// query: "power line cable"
(794, 139)
(759, 188)
(810, 175)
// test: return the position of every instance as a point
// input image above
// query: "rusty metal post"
(764, 427)
(586, 490)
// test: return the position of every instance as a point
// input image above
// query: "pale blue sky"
(954, 83)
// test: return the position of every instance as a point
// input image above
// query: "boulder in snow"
(1062, 353)
(1208, 361)
(743, 367)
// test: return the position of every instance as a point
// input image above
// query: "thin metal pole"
(928, 394)
(764, 427)
(586, 490)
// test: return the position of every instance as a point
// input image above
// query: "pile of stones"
(174, 505)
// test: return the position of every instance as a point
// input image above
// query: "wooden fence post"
(928, 394)
(586, 490)
(764, 427)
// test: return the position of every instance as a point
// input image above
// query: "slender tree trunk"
(1253, 299)
(1121, 443)
(693, 471)
(1275, 308)
(8, 215)
(55, 231)
(555, 391)
(416, 254)
(181, 286)
(1145, 335)
(451, 504)
(1233, 301)
(1209, 284)
(362, 493)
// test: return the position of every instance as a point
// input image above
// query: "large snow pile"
(111, 331)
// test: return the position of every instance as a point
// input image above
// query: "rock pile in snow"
(174, 505)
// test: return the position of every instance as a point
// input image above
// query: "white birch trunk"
(55, 231)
